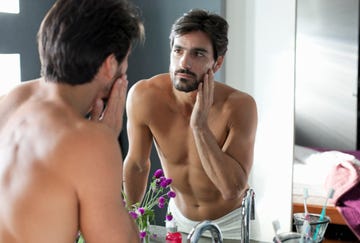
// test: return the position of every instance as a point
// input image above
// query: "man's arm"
(229, 166)
(103, 216)
(137, 161)
(98, 182)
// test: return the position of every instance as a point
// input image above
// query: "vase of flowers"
(158, 194)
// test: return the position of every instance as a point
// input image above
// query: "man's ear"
(218, 63)
(110, 66)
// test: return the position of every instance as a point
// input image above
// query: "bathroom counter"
(160, 231)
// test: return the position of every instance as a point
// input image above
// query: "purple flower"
(171, 194)
(168, 181)
(169, 217)
(133, 214)
(142, 234)
(160, 180)
(158, 173)
(161, 205)
(165, 182)
(162, 200)
(141, 211)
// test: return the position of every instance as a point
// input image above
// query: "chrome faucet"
(247, 214)
(198, 230)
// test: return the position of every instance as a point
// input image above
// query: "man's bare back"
(61, 173)
(32, 180)
(41, 175)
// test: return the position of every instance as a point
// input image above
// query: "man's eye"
(199, 54)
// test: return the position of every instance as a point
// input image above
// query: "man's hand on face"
(112, 114)
(204, 101)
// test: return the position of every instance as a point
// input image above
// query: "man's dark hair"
(77, 36)
(215, 26)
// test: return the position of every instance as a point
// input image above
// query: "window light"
(9, 6)
(10, 74)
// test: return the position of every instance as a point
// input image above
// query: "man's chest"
(173, 134)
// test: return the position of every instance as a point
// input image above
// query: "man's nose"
(185, 61)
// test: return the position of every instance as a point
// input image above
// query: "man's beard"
(185, 84)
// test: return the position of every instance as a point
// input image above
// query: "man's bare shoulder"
(150, 90)
(233, 97)
(158, 82)
(10, 101)
(25, 86)
(21, 91)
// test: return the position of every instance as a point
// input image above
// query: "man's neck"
(79, 97)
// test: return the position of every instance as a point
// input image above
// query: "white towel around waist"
(230, 224)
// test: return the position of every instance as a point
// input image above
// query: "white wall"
(260, 61)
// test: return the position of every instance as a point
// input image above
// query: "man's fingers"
(96, 110)
(112, 102)
(117, 97)
(113, 113)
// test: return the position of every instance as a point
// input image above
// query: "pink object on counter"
(344, 178)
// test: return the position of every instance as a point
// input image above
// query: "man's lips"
(185, 75)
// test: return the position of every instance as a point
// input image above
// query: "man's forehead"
(194, 40)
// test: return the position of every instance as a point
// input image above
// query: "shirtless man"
(203, 130)
(59, 172)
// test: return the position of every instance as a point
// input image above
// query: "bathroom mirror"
(260, 60)
(326, 97)
(327, 73)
